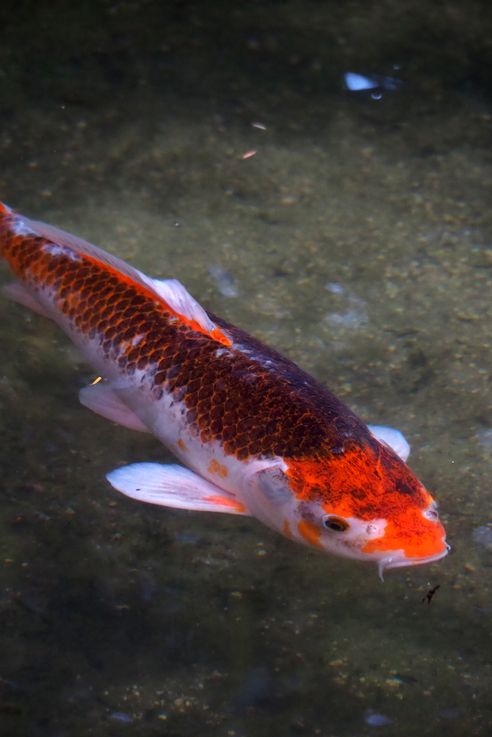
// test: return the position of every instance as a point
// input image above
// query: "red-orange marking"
(286, 529)
(218, 468)
(416, 536)
(310, 532)
(216, 334)
(370, 482)
(225, 502)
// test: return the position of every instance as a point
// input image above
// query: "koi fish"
(256, 435)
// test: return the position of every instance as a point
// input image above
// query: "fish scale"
(287, 411)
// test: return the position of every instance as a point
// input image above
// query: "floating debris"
(255, 689)
(352, 319)
(224, 280)
(335, 288)
(353, 313)
(453, 712)
(483, 536)
(120, 716)
(376, 84)
(373, 719)
(187, 538)
(430, 594)
(484, 437)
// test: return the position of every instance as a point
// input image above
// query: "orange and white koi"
(256, 434)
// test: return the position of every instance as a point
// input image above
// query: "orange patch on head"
(218, 468)
(310, 533)
(225, 501)
(182, 445)
(369, 482)
(366, 481)
(412, 533)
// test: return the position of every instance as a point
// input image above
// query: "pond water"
(350, 229)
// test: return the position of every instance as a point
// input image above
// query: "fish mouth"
(399, 560)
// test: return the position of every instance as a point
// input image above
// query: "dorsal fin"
(182, 302)
(392, 437)
(170, 292)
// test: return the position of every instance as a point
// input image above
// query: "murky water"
(357, 240)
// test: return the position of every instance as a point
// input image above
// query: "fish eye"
(335, 524)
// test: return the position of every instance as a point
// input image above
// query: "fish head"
(364, 503)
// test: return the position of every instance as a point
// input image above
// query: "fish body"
(256, 434)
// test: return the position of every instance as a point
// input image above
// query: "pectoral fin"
(173, 486)
(394, 438)
(102, 400)
(274, 485)
(18, 293)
